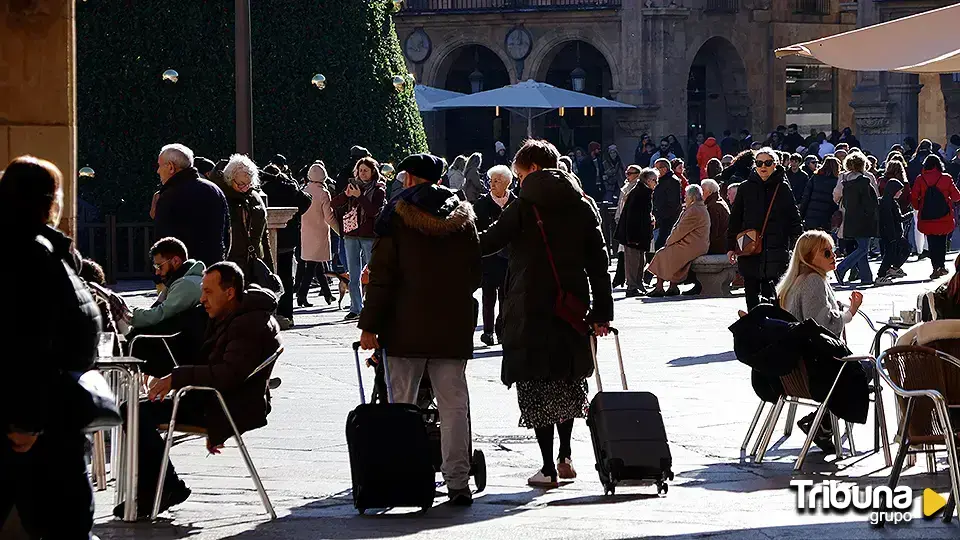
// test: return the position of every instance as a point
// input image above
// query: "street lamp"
(578, 78)
(476, 81)
(244, 80)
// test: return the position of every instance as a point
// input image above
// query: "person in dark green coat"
(544, 355)
(248, 214)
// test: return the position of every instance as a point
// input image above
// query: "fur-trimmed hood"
(432, 225)
(432, 209)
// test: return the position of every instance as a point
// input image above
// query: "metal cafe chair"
(881, 439)
(796, 391)
(172, 427)
(162, 337)
(927, 384)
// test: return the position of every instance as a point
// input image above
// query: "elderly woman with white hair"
(248, 214)
(488, 209)
(689, 239)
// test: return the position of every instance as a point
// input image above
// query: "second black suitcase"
(389, 449)
(629, 438)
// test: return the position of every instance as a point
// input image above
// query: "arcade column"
(38, 98)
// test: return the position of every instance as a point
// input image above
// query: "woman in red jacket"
(935, 210)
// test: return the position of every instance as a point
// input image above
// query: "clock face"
(519, 43)
(417, 46)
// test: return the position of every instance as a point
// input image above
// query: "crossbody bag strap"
(763, 231)
(543, 234)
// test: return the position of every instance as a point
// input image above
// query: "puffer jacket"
(182, 293)
(934, 179)
(817, 206)
(248, 228)
(783, 229)
(707, 151)
(416, 311)
(536, 343)
(53, 331)
(860, 202)
(233, 347)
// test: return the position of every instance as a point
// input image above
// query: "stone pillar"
(654, 69)
(38, 97)
(951, 103)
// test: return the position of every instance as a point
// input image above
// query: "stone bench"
(715, 273)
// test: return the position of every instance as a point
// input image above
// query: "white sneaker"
(565, 469)
(541, 480)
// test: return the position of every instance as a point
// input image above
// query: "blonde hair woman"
(804, 290)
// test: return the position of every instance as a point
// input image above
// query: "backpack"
(934, 203)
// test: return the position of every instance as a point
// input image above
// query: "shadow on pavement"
(335, 518)
(850, 530)
(705, 359)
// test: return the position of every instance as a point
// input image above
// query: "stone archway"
(473, 130)
(717, 95)
(577, 128)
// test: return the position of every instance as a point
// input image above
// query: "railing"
(121, 248)
(721, 6)
(811, 7)
(476, 6)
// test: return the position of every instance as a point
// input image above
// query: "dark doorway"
(717, 97)
(475, 130)
(577, 127)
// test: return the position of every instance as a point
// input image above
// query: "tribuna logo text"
(880, 502)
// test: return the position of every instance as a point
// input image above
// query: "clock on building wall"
(417, 46)
(519, 42)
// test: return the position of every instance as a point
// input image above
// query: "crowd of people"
(528, 232)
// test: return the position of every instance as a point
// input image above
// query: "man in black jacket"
(241, 335)
(282, 191)
(191, 208)
(667, 202)
(797, 177)
(419, 304)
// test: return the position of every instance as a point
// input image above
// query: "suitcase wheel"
(479, 470)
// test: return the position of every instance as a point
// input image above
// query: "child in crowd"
(896, 247)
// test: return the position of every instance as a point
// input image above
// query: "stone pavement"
(678, 348)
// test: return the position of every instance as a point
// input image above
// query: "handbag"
(89, 405)
(567, 307)
(351, 220)
(750, 241)
(260, 273)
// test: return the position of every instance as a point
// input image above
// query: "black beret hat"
(203, 165)
(426, 166)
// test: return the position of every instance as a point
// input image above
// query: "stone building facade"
(687, 65)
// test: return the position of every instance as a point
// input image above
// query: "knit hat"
(500, 146)
(278, 160)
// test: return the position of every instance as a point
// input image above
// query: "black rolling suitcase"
(390, 453)
(629, 439)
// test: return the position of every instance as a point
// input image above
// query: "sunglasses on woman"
(765, 163)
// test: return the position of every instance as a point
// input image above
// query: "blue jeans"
(357, 247)
(858, 258)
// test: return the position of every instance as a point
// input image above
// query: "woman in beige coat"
(315, 235)
(689, 239)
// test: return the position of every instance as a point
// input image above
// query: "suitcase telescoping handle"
(386, 373)
(596, 365)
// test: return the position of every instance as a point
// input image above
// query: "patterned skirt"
(544, 403)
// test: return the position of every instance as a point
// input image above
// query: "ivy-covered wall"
(126, 112)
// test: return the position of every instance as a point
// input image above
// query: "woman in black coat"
(766, 188)
(817, 205)
(547, 356)
(42, 466)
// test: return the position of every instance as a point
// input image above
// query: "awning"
(428, 96)
(531, 99)
(923, 43)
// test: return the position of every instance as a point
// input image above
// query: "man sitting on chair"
(241, 335)
(176, 309)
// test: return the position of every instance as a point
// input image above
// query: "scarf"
(501, 201)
